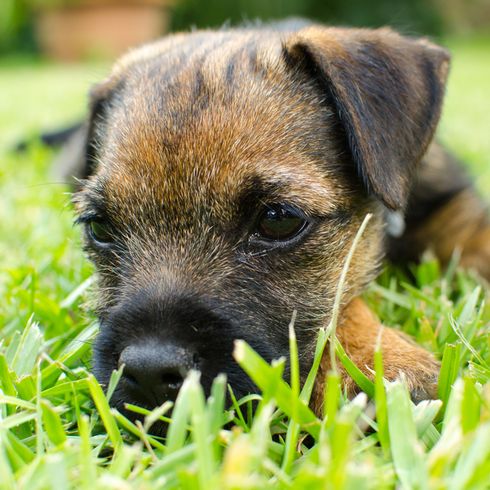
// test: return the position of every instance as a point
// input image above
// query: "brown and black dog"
(226, 174)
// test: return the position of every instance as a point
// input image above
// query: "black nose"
(154, 372)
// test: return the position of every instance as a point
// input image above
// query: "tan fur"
(332, 121)
(359, 332)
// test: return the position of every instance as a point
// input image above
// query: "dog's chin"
(160, 427)
(122, 404)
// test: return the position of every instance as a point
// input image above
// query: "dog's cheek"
(266, 305)
(110, 285)
(217, 357)
(306, 280)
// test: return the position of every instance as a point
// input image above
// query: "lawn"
(56, 428)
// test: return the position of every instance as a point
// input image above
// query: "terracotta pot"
(99, 29)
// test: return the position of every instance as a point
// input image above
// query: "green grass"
(58, 431)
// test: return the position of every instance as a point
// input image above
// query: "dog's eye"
(280, 222)
(100, 232)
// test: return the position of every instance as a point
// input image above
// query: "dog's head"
(227, 174)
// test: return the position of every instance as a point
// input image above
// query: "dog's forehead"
(201, 116)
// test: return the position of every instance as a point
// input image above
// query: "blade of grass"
(17, 419)
(321, 342)
(105, 412)
(135, 430)
(449, 371)
(26, 354)
(470, 406)
(113, 382)
(239, 419)
(424, 414)
(39, 424)
(332, 398)
(86, 462)
(157, 414)
(273, 386)
(458, 331)
(122, 464)
(341, 440)
(14, 461)
(12, 400)
(21, 449)
(405, 448)
(177, 430)
(71, 354)
(354, 372)
(332, 326)
(206, 463)
(380, 398)
(6, 474)
(293, 428)
(52, 424)
(172, 461)
(216, 404)
(59, 389)
(474, 461)
(7, 377)
(391, 296)
(77, 292)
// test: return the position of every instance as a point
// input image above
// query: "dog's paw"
(405, 360)
(360, 333)
(422, 381)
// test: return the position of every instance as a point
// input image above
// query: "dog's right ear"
(387, 92)
(100, 97)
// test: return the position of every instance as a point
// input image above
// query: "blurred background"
(88, 29)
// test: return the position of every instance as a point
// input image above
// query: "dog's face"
(227, 176)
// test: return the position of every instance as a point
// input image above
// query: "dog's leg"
(444, 213)
(359, 332)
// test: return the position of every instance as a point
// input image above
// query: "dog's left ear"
(387, 91)
(78, 158)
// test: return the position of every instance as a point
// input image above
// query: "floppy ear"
(387, 91)
(100, 98)
(78, 157)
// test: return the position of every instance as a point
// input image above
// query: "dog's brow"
(93, 205)
(313, 198)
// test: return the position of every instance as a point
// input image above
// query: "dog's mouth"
(157, 344)
(136, 404)
(153, 372)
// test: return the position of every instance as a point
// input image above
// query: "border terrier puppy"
(225, 176)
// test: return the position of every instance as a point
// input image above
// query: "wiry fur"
(189, 138)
